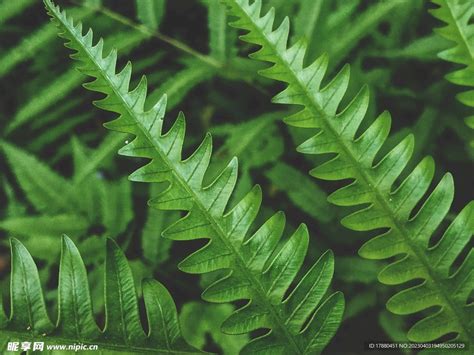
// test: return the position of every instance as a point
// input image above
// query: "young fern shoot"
(301, 323)
(390, 206)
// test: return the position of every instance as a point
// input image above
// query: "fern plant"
(457, 15)
(74, 205)
(409, 230)
(300, 322)
(123, 331)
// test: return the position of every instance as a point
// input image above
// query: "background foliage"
(60, 172)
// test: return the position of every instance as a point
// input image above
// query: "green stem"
(152, 33)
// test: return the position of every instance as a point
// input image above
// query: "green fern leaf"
(373, 182)
(14, 208)
(46, 225)
(117, 209)
(299, 323)
(29, 320)
(221, 37)
(64, 84)
(55, 133)
(341, 23)
(256, 142)
(150, 12)
(74, 205)
(56, 113)
(354, 26)
(307, 18)
(53, 195)
(95, 158)
(58, 88)
(457, 15)
(352, 269)
(424, 49)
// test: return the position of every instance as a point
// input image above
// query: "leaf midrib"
(74, 298)
(254, 282)
(460, 30)
(382, 202)
(26, 291)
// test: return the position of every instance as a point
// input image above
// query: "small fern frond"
(69, 206)
(95, 158)
(457, 15)
(260, 272)
(54, 195)
(373, 182)
(123, 332)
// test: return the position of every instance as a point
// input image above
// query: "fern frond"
(457, 15)
(53, 195)
(307, 18)
(123, 332)
(301, 322)
(341, 24)
(64, 84)
(30, 45)
(373, 182)
(221, 37)
(256, 140)
(97, 157)
(58, 88)
(55, 133)
(355, 27)
(72, 204)
(44, 225)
